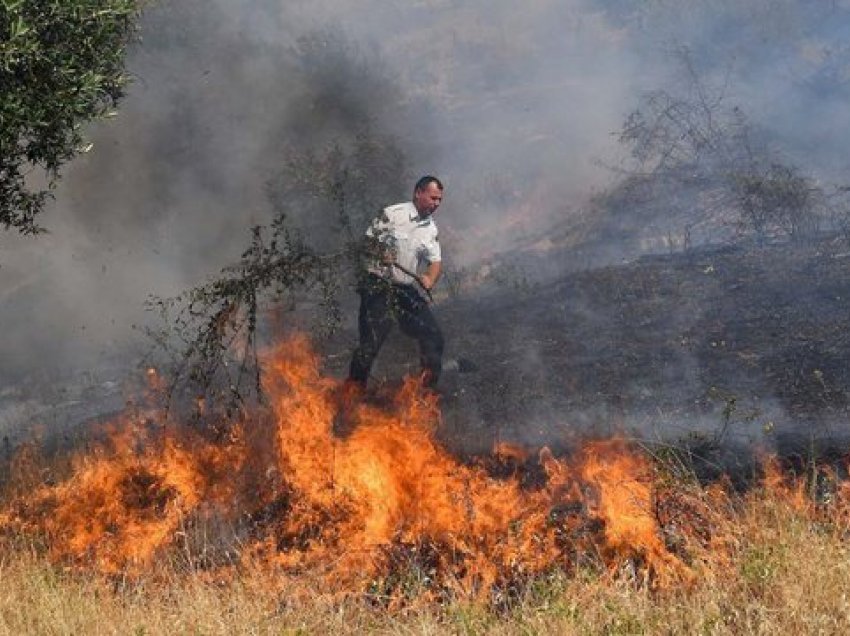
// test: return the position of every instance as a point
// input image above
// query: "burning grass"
(782, 572)
(283, 513)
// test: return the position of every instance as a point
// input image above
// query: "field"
(537, 494)
(786, 574)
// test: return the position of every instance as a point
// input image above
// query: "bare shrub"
(777, 198)
(692, 151)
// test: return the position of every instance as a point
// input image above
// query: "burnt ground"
(722, 348)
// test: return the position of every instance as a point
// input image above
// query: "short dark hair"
(425, 181)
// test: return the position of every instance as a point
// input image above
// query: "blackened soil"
(741, 343)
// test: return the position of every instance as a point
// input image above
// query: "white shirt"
(413, 239)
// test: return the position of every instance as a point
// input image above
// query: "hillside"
(718, 352)
(753, 338)
(743, 343)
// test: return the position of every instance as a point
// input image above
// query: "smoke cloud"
(513, 105)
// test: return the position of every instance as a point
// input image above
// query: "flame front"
(350, 509)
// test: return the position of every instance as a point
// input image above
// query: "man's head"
(427, 195)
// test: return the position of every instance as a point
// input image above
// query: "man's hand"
(431, 275)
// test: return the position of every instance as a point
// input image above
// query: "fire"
(127, 500)
(352, 510)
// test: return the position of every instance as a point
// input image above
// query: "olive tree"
(61, 66)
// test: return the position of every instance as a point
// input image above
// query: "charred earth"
(719, 348)
(724, 350)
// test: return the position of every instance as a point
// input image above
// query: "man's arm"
(431, 275)
(434, 257)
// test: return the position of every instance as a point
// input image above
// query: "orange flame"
(352, 510)
(125, 502)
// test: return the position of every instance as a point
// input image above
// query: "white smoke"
(512, 104)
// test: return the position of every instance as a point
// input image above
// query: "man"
(400, 242)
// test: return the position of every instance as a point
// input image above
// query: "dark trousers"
(383, 303)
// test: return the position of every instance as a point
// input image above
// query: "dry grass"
(783, 572)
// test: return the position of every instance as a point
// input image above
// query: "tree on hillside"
(690, 149)
(61, 66)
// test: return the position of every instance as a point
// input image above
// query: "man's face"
(428, 199)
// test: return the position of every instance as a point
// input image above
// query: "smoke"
(513, 105)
